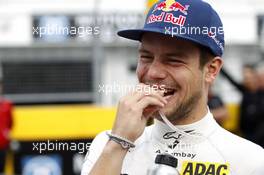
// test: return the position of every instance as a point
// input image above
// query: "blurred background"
(57, 58)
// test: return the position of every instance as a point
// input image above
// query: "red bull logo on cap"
(168, 18)
(166, 7)
(171, 5)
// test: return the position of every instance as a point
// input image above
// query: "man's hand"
(132, 114)
(135, 109)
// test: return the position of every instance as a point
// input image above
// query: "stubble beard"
(182, 110)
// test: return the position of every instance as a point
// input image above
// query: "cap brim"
(136, 34)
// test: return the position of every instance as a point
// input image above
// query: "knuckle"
(126, 104)
(146, 98)
(149, 98)
(133, 109)
(152, 100)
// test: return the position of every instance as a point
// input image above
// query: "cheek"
(186, 79)
(141, 70)
(181, 76)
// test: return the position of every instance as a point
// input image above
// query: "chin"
(168, 111)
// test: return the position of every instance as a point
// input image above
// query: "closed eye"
(146, 58)
(175, 58)
(175, 61)
(145, 55)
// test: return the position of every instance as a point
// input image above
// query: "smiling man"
(181, 55)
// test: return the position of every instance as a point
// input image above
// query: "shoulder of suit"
(238, 149)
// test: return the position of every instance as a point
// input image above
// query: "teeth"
(169, 92)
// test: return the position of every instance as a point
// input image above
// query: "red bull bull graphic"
(177, 6)
(169, 6)
(160, 6)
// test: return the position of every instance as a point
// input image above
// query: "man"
(182, 66)
(260, 127)
(5, 126)
(250, 110)
(217, 107)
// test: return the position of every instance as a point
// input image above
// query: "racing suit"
(206, 149)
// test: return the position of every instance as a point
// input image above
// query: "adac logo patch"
(166, 15)
(204, 168)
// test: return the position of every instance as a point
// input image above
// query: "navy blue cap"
(193, 20)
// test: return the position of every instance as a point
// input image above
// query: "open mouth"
(169, 92)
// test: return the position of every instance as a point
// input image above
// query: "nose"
(156, 70)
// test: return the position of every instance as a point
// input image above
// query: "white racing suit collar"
(193, 133)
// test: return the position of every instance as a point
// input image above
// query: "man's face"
(173, 63)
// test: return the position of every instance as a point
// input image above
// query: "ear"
(212, 69)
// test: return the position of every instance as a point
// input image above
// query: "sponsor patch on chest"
(204, 168)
